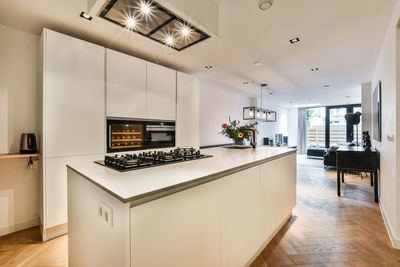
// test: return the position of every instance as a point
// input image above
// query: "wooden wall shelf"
(18, 155)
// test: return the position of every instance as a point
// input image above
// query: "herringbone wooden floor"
(324, 231)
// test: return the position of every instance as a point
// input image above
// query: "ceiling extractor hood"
(154, 21)
(259, 113)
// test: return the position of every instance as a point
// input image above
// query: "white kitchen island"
(218, 211)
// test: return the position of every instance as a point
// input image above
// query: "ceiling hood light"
(265, 4)
(326, 85)
(208, 67)
(257, 63)
(245, 82)
(130, 22)
(152, 21)
(295, 40)
(347, 96)
(85, 15)
(315, 69)
(145, 8)
(185, 31)
(170, 41)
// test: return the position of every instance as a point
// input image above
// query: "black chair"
(330, 158)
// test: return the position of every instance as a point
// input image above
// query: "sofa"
(316, 152)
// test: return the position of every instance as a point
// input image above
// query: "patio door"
(338, 131)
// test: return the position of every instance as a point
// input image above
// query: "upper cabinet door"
(187, 111)
(161, 92)
(126, 85)
(74, 96)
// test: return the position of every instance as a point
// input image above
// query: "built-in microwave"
(131, 134)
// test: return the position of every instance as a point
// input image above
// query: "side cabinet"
(161, 92)
(126, 85)
(187, 111)
(56, 188)
(72, 100)
(74, 96)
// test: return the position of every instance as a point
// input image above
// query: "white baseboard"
(395, 241)
(18, 226)
(54, 231)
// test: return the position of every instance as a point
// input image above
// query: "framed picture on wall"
(377, 112)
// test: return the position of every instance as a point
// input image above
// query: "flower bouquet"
(238, 133)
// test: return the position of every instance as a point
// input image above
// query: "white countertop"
(143, 185)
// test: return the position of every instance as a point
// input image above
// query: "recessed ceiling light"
(245, 82)
(208, 67)
(265, 4)
(315, 69)
(145, 8)
(85, 15)
(326, 85)
(130, 22)
(257, 63)
(295, 40)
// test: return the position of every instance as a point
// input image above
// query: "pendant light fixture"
(259, 113)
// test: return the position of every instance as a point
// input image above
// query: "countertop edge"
(163, 192)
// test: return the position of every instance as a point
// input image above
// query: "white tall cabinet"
(126, 85)
(187, 111)
(161, 92)
(72, 97)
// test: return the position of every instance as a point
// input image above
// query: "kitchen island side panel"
(91, 240)
(242, 211)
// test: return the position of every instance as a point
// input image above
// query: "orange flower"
(240, 135)
(224, 125)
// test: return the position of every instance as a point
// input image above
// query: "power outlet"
(105, 213)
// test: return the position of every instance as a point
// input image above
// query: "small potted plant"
(238, 133)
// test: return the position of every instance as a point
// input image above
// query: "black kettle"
(28, 143)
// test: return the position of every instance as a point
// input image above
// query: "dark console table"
(357, 159)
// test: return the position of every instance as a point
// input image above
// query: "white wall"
(269, 129)
(18, 114)
(366, 105)
(387, 71)
(217, 103)
(293, 125)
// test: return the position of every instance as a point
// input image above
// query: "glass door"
(337, 127)
(357, 129)
(316, 127)
(340, 132)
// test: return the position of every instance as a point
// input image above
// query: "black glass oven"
(127, 135)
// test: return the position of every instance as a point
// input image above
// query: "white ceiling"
(340, 37)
